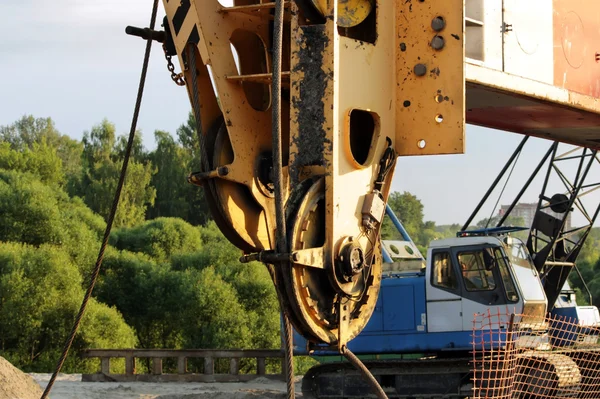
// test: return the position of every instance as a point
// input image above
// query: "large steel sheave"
(316, 298)
(325, 299)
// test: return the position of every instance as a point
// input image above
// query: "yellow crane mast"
(365, 81)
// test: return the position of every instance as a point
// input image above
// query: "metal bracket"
(344, 323)
(196, 178)
(268, 256)
(311, 257)
(505, 28)
(146, 33)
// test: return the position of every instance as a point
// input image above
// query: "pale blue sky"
(71, 60)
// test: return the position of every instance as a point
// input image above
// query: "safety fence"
(254, 363)
(524, 356)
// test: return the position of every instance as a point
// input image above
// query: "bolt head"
(438, 24)
(438, 43)
(420, 69)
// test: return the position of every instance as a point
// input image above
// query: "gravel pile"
(14, 384)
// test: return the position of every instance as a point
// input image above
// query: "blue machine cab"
(429, 306)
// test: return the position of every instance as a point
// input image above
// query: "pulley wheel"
(350, 12)
(311, 296)
(236, 212)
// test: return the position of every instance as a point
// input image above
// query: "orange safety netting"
(520, 356)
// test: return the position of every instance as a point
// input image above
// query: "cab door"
(443, 290)
(485, 289)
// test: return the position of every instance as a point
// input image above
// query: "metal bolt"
(505, 28)
(223, 171)
(438, 43)
(295, 257)
(438, 23)
(420, 69)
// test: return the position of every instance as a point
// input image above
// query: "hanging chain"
(177, 77)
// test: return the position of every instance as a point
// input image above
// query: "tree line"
(169, 279)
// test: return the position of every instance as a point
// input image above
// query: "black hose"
(365, 372)
(111, 216)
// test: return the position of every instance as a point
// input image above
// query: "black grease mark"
(402, 46)
(454, 35)
(180, 15)
(194, 37)
(406, 103)
(435, 71)
(312, 137)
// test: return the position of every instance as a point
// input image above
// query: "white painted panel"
(444, 316)
(500, 314)
(529, 45)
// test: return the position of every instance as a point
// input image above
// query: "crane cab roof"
(465, 241)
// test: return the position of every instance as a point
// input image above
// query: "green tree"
(199, 212)
(34, 213)
(102, 171)
(251, 282)
(216, 251)
(138, 152)
(218, 320)
(447, 231)
(187, 136)
(159, 238)
(172, 189)
(40, 292)
(493, 221)
(409, 209)
(257, 295)
(190, 308)
(29, 130)
(128, 282)
(39, 135)
(41, 160)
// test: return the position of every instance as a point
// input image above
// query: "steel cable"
(113, 211)
(281, 239)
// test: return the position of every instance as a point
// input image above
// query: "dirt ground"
(69, 386)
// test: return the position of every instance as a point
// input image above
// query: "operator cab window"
(443, 273)
(476, 276)
(509, 285)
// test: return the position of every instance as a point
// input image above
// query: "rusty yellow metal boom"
(365, 81)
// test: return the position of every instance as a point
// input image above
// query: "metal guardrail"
(182, 355)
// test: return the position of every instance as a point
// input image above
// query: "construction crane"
(303, 107)
(427, 314)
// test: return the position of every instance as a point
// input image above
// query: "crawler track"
(531, 374)
(423, 378)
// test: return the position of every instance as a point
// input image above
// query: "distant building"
(527, 212)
